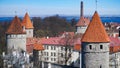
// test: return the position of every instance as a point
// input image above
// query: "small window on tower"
(101, 46)
(100, 66)
(90, 46)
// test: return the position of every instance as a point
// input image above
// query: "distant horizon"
(59, 15)
(61, 7)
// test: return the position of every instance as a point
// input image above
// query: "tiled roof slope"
(95, 31)
(38, 47)
(27, 22)
(15, 27)
(83, 21)
(77, 47)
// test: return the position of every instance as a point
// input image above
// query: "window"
(90, 46)
(54, 54)
(29, 31)
(51, 59)
(47, 58)
(51, 54)
(61, 48)
(61, 54)
(51, 47)
(54, 59)
(47, 47)
(54, 48)
(44, 53)
(47, 54)
(101, 46)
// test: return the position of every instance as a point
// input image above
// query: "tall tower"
(15, 36)
(28, 25)
(95, 45)
(83, 22)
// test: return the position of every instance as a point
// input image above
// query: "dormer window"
(101, 46)
(90, 46)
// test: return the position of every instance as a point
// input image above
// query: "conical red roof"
(15, 27)
(83, 21)
(27, 22)
(95, 31)
(38, 47)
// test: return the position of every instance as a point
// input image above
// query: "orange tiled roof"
(77, 47)
(83, 21)
(95, 31)
(38, 46)
(15, 27)
(114, 49)
(27, 22)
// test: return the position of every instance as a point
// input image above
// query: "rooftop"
(95, 31)
(15, 27)
(27, 22)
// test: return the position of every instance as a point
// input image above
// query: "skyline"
(61, 7)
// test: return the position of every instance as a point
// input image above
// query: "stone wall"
(95, 55)
(18, 41)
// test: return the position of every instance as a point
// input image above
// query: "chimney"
(81, 8)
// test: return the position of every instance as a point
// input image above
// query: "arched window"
(101, 46)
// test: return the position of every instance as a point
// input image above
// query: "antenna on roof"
(96, 4)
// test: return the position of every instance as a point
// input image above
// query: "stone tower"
(83, 22)
(15, 36)
(28, 26)
(95, 45)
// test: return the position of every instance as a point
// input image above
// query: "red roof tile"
(83, 21)
(15, 27)
(114, 41)
(77, 47)
(38, 47)
(114, 49)
(95, 31)
(27, 22)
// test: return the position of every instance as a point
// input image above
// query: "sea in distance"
(69, 18)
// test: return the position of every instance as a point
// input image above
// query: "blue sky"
(61, 7)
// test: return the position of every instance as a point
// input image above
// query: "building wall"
(114, 60)
(76, 58)
(81, 29)
(55, 54)
(29, 33)
(95, 55)
(18, 41)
